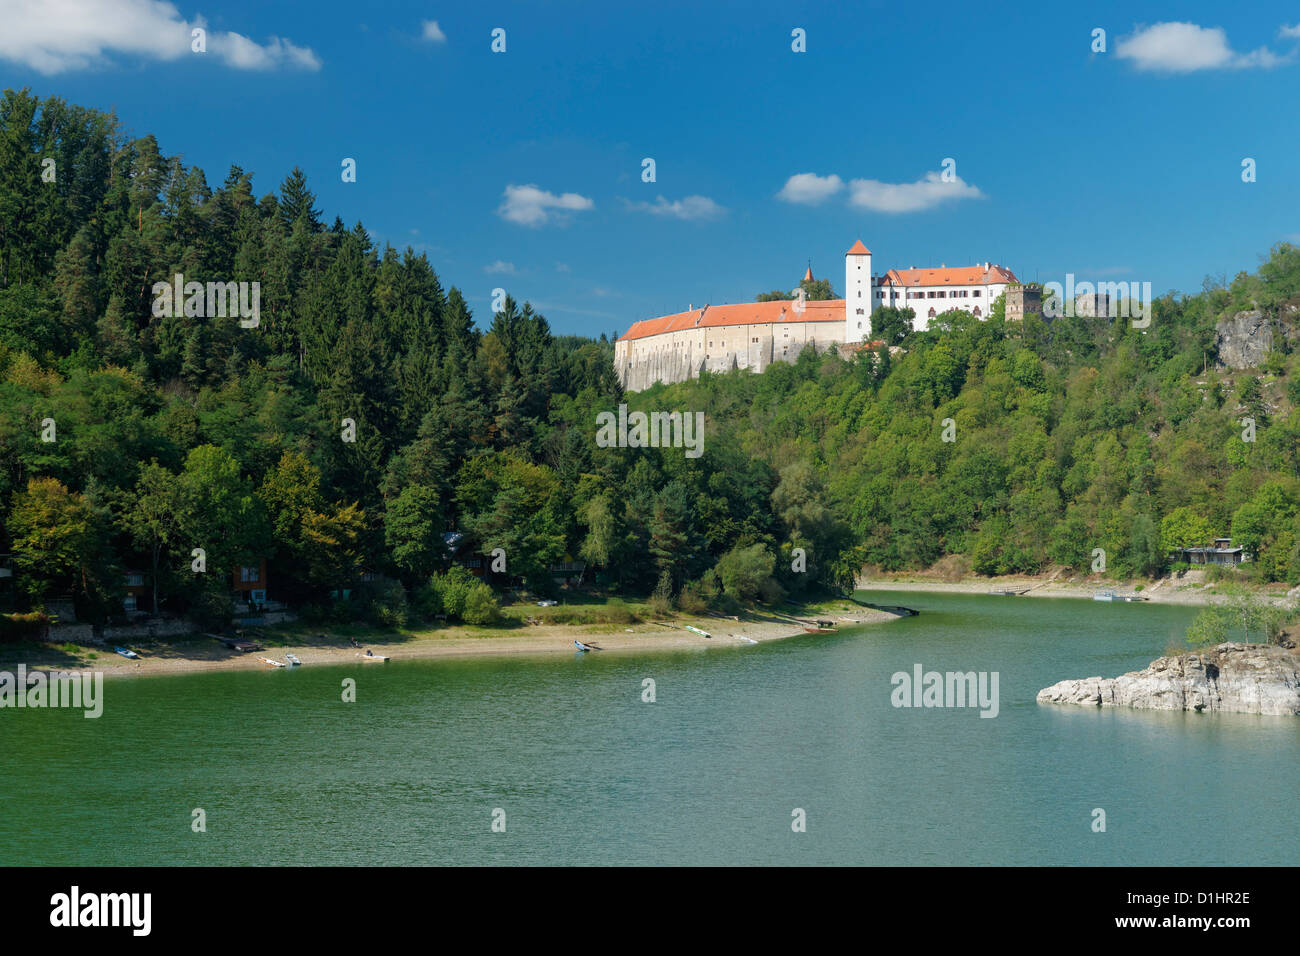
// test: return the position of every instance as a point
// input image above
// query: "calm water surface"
(709, 773)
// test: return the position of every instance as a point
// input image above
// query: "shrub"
(661, 602)
(211, 610)
(481, 605)
(312, 613)
(451, 589)
(617, 612)
(385, 603)
(459, 595)
(691, 600)
(953, 568)
(745, 573)
(24, 627)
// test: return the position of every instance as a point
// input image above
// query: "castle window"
(976, 293)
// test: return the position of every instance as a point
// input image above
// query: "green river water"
(738, 738)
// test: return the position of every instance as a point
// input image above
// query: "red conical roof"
(859, 249)
(807, 276)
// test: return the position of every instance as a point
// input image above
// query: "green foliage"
(178, 432)
(481, 606)
(460, 596)
(31, 626)
(1243, 617)
(746, 574)
(385, 603)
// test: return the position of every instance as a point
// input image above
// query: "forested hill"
(366, 414)
(1067, 436)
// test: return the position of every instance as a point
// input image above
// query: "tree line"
(368, 414)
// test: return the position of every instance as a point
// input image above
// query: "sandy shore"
(1162, 591)
(191, 654)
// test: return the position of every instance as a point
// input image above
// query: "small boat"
(745, 640)
(373, 658)
(127, 653)
(293, 660)
(1009, 592)
(1112, 596)
(547, 603)
(821, 630)
(267, 660)
(583, 648)
(696, 630)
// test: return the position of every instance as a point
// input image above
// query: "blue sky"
(1118, 165)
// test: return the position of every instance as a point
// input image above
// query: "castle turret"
(857, 293)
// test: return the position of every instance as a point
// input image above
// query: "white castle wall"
(678, 356)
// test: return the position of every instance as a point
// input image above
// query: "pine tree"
(298, 202)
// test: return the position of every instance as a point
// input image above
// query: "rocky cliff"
(1243, 340)
(1232, 678)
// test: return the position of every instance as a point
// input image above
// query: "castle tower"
(857, 293)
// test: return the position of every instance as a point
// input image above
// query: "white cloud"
(1186, 47)
(691, 207)
(810, 188)
(55, 36)
(1291, 33)
(562, 267)
(909, 197)
(505, 268)
(244, 54)
(432, 32)
(531, 206)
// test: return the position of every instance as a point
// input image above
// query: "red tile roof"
(744, 313)
(966, 275)
(858, 250)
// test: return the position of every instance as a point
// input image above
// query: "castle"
(753, 335)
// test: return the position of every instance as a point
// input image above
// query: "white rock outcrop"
(1230, 678)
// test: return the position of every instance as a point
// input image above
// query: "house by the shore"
(1222, 553)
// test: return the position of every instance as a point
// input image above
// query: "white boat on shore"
(373, 658)
(293, 660)
(696, 630)
(267, 660)
(1112, 596)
